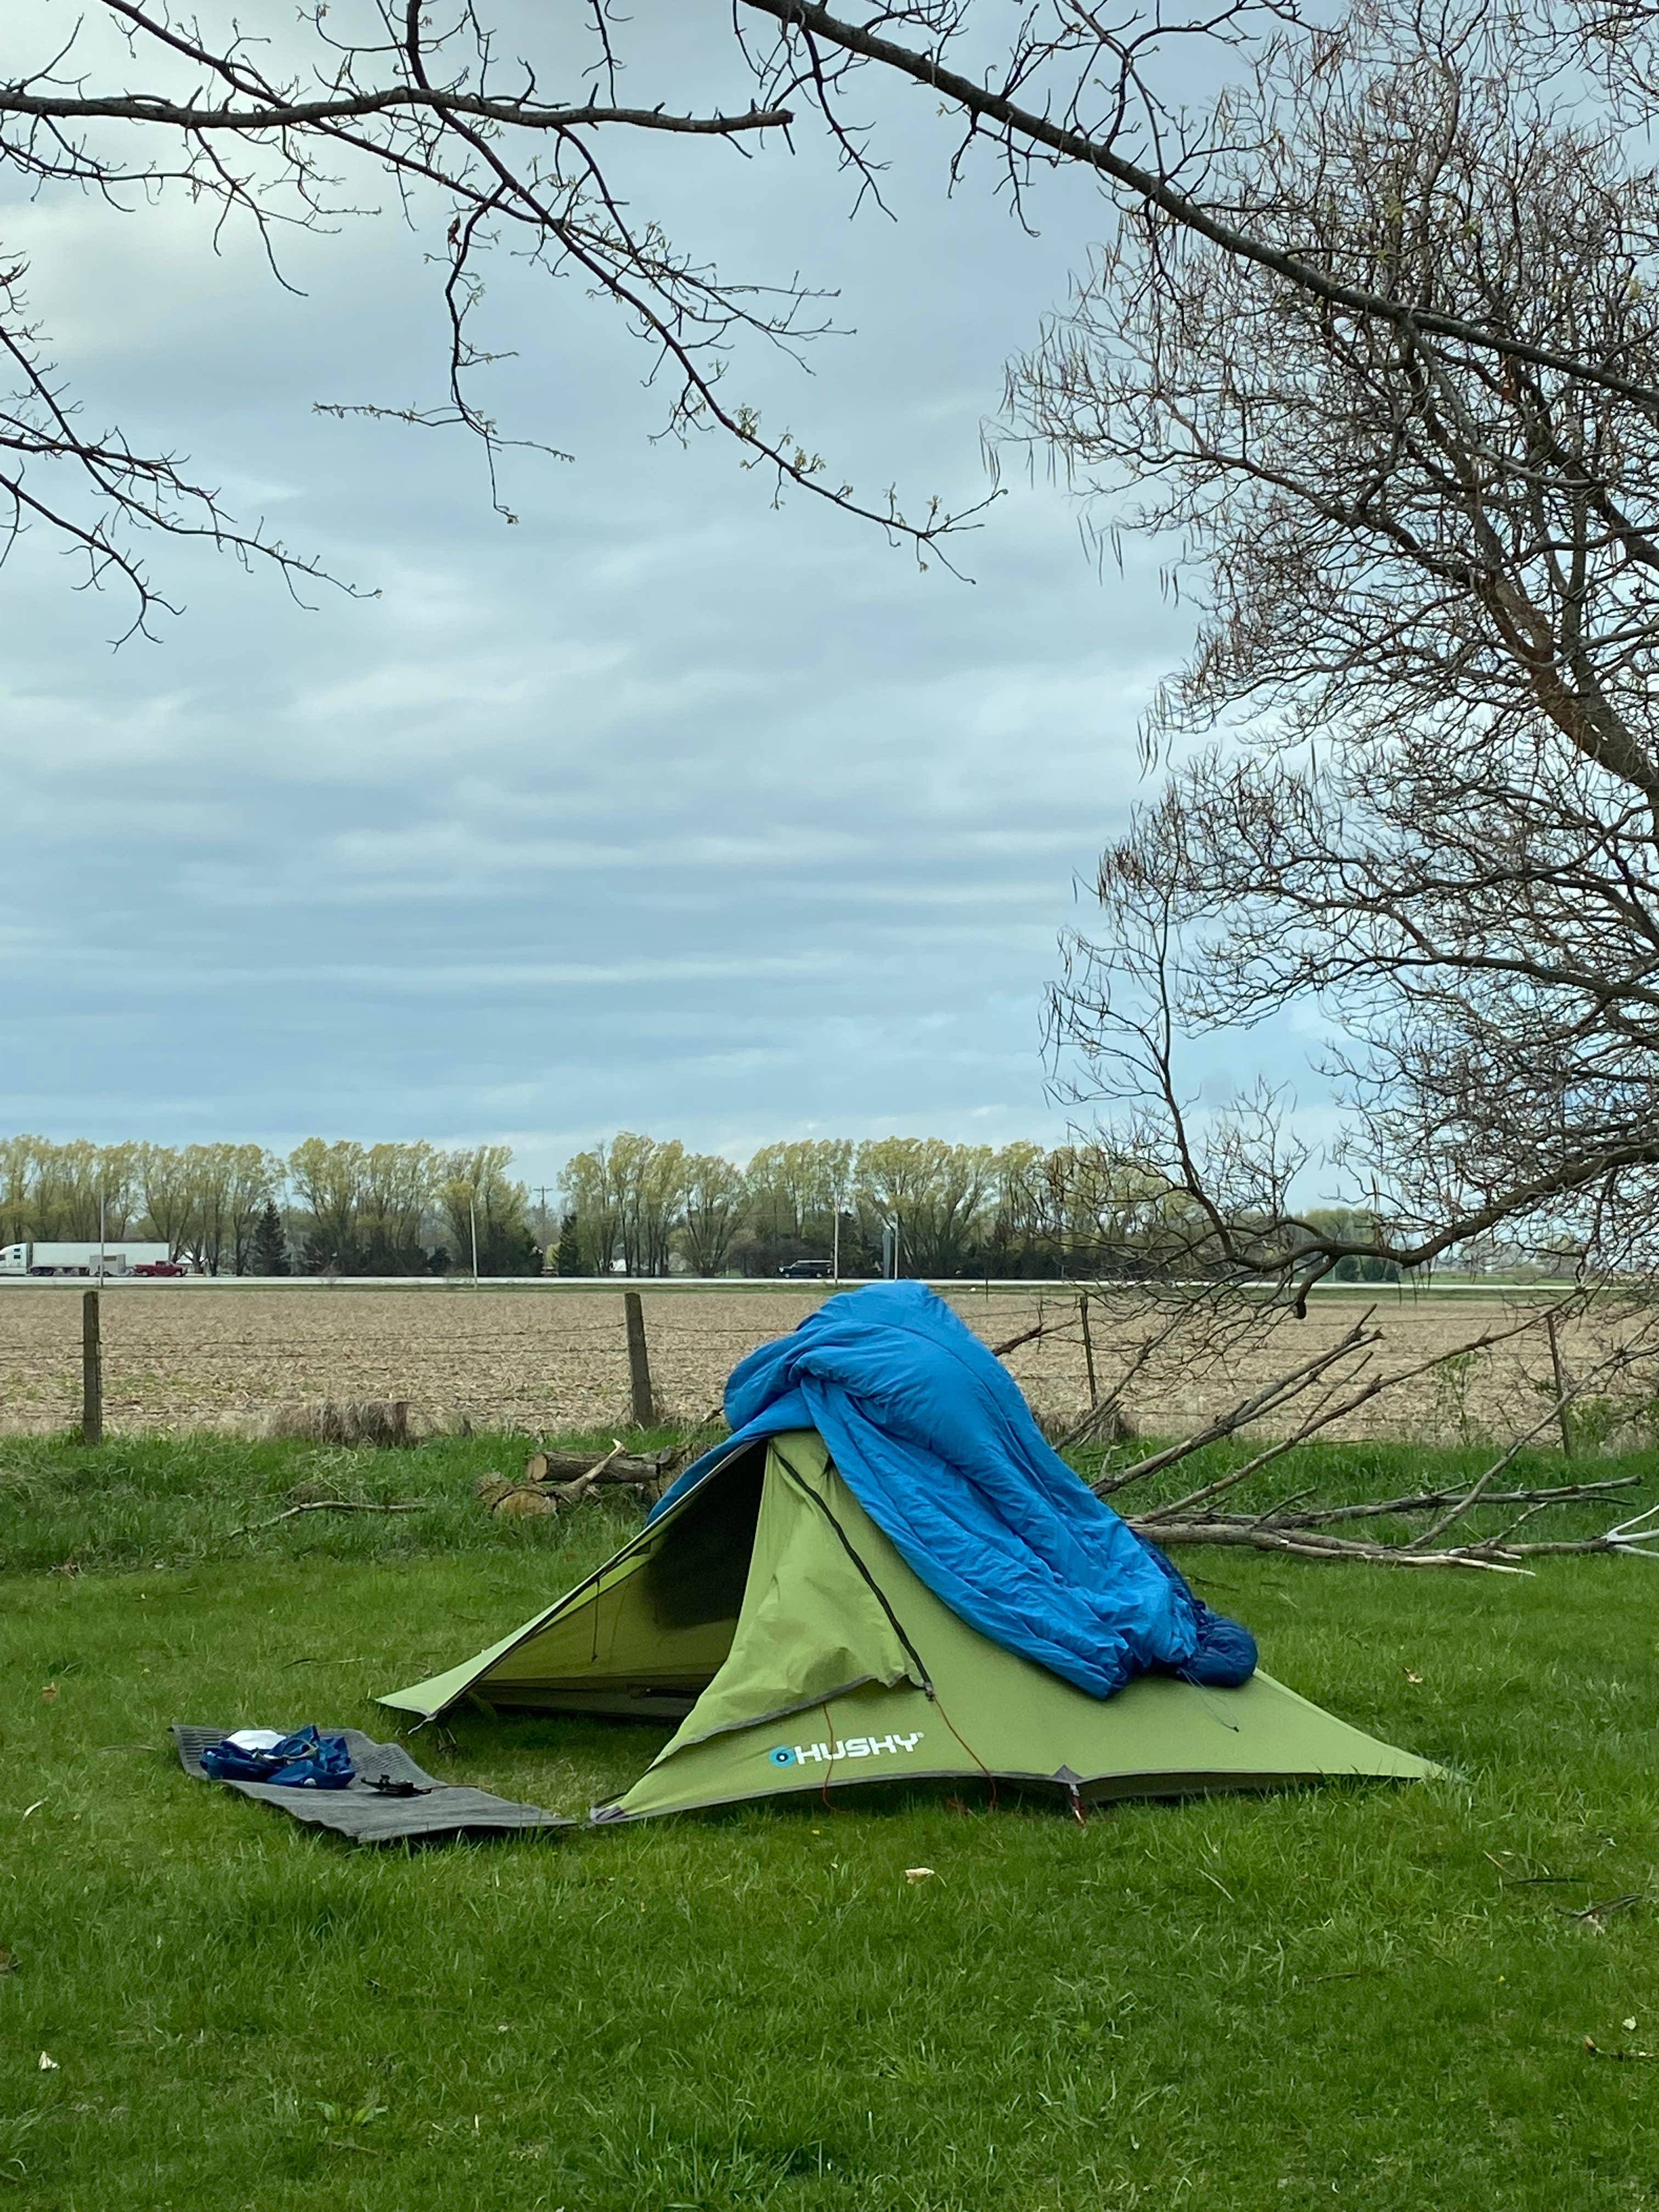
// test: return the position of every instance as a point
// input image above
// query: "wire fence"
(236, 1360)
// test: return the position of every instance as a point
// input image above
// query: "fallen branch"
(1279, 1514)
(1109, 1407)
(571, 1493)
(1306, 1544)
(1471, 1498)
(644, 1471)
(1497, 1554)
(1260, 1403)
(534, 1495)
(698, 1439)
(1043, 1327)
(1430, 1501)
(1322, 1418)
(331, 1505)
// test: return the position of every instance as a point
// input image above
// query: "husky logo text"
(856, 1747)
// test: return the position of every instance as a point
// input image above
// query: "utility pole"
(101, 1233)
(472, 1216)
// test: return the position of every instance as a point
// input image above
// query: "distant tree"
(230, 1187)
(794, 1191)
(268, 1255)
(627, 1196)
(480, 1200)
(329, 1180)
(318, 1256)
(933, 1189)
(70, 1185)
(169, 1198)
(568, 1258)
(398, 1188)
(650, 1184)
(1014, 1213)
(716, 1193)
(17, 1155)
(592, 1218)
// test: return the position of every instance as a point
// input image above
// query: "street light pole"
(472, 1216)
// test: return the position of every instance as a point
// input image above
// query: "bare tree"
(309, 128)
(1430, 590)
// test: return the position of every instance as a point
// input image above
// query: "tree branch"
(1148, 186)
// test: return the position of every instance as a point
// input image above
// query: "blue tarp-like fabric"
(931, 1435)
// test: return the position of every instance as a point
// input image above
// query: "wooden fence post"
(1561, 1394)
(642, 1404)
(92, 1372)
(1088, 1348)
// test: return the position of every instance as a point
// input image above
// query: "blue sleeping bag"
(930, 1432)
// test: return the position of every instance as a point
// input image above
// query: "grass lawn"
(1372, 1995)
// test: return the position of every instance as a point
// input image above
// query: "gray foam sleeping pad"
(360, 1812)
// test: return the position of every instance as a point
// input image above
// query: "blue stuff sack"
(305, 1760)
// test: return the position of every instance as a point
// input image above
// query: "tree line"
(351, 1209)
(635, 1204)
(648, 1207)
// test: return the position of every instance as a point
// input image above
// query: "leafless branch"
(327, 1505)
(1034, 131)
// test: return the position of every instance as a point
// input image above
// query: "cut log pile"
(553, 1481)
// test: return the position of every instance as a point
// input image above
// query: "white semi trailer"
(117, 1255)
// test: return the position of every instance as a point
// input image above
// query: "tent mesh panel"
(698, 1574)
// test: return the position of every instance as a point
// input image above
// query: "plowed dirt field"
(203, 1356)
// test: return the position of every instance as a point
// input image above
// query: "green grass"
(1361, 1996)
(178, 1501)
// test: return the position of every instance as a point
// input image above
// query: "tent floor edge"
(1109, 1789)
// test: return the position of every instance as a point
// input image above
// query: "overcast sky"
(660, 809)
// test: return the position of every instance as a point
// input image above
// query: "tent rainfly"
(764, 1610)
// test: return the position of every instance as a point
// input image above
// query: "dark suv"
(804, 1271)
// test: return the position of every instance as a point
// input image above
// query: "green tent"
(767, 1613)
